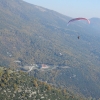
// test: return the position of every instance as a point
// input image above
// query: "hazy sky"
(72, 8)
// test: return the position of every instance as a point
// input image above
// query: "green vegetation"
(35, 35)
(79, 81)
(18, 85)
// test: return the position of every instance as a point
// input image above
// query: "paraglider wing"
(75, 19)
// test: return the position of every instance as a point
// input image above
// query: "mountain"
(95, 23)
(18, 85)
(32, 34)
(28, 33)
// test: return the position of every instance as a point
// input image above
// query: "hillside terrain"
(79, 81)
(30, 34)
(18, 85)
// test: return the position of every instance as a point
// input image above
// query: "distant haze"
(72, 8)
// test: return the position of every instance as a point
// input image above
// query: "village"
(36, 66)
(41, 67)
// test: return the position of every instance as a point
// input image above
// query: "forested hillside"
(30, 34)
(18, 85)
(27, 33)
(79, 81)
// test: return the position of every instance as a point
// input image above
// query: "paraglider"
(75, 19)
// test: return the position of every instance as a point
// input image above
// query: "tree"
(15, 86)
(2, 85)
(35, 83)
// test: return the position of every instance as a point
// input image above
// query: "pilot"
(78, 37)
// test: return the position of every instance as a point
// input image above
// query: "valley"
(38, 41)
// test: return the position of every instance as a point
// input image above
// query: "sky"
(71, 8)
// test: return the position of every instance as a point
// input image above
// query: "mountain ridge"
(31, 34)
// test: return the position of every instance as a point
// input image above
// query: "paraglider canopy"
(75, 19)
